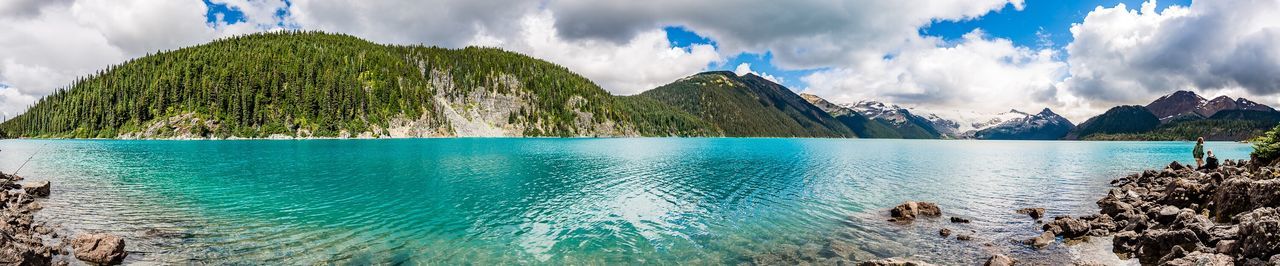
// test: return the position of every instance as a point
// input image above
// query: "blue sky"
(1040, 24)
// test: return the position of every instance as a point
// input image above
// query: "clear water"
(573, 201)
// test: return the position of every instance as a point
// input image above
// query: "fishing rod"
(33, 155)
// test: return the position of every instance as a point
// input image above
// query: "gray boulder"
(1259, 233)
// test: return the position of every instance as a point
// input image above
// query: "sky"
(1078, 58)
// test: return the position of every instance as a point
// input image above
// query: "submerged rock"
(959, 220)
(908, 211)
(944, 232)
(99, 248)
(893, 262)
(1000, 260)
(1035, 213)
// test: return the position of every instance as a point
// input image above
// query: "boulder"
(1231, 198)
(1125, 242)
(1259, 235)
(1182, 193)
(1067, 227)
(908, 211)
(1041, 241)
(1264, 193)
(1156, 244)
(1176, 166)
(37, 188)
(1000, 260)
(1201, 259)
(944, 232)
(99, 248)
(1035, 213)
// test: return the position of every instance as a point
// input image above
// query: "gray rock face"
(1231, 198)
(99, 248)
(1260, 233)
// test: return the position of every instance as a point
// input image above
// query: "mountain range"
(294, 84)
(1182, 115)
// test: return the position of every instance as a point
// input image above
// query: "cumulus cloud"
(975, 73)
(644, 62)
(449, 23)
(1130, 56)
(800, 34)
(745, 68)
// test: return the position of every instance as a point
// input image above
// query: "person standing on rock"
(1198, 152)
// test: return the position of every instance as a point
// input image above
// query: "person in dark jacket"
(1210, 163)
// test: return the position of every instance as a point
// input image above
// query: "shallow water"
(575, 201)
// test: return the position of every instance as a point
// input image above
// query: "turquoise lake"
(574, 201)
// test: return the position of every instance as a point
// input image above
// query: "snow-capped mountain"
(879, 110)
(1012, 124)
(962, 124)
(1045, 125)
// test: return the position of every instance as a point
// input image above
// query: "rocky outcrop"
(908, 211)
(22, 239)
(1180, 216)
(99, 248)
(37, 188)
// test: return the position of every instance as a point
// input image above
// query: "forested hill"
(747, 106)
(303, 84)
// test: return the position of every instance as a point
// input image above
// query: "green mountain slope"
(316, 84)
(1229, 125)
(1124, 119)
(747, 106)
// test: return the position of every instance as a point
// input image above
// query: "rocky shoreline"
(26, 241)
(1181, 216)
(1174, 216)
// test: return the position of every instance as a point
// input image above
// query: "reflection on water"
(560, 201)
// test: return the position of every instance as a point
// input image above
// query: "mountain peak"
(1046, 111)
(1179, 103)
(720, 73)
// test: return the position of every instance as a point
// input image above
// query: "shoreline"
(25, 240)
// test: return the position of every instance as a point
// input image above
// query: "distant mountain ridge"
(1181, 115)
(907, 123)
(1181, 104)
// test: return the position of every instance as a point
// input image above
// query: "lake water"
(574, 201)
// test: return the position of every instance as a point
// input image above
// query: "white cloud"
(646, 61)
(45, 45)
(800, 34)
(1131, 56)
(976, 73)
(745, 68)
